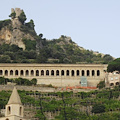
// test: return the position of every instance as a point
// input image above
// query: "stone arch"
(72, 73)
(93, 73)
(77, 72)
(6, 72)
(16, 72)
(32, 73)
(21, 73)
(57, 72)
(1, 72)
(111, 84)
(26, 73)
(11, 72)
(42, 72)
(62, 72)
(117, 83)
(98, 72)
(83, 73)
(52, 72)
(88, 73)
(47, 72)
(67, 73)
(8, 110)
(37, 72)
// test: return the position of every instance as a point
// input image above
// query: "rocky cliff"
(14, 30)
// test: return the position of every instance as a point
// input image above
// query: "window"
(47, 72)
(67, 72)
(98, 73)
(88, 73)
(37, 72)
(83, 73)
(77, 73)
(9, 110)
(93, 73)
(6, 72)
(62, 73)
(111, 78)
(57, 73)
(21, 73)
(1, 72)
(16, 72)
(32, 73)
(42, 73)
(72, 72)
(11, 72)
(20, 111)
(27, 73)
(52, 72)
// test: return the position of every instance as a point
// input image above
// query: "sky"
(92, 24)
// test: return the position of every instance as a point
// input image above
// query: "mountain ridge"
(17, 34)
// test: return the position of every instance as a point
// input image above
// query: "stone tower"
(14, 108)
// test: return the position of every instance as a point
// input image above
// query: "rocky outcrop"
(13, 34)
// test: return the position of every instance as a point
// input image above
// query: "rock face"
(12, 33)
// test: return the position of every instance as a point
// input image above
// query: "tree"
(98, 108)
(12, 15)
(101, 84)
(107, 58)
(114, 65)
(22, 18)
(34, 81)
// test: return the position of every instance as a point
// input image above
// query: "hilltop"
(19, 43)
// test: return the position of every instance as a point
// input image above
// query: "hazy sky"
(92, 24)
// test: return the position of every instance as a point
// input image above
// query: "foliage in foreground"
(18, 81)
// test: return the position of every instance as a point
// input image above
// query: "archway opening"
(42, 72)
(83, 73)
(6, 72)
(62, 73)
(37, 72)
(11, 72)
(16, 72)
(57, 73)
(72, 73)
(27, 73)
(32, 73)
(93, 73)
(47, 72)
(52, 72)
(1, 72)
(98, 73)
(111, 84)
(88, 73)
(67, 72)
(78, 72)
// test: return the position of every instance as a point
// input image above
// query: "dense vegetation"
(94, 105)
(54, 51)
(5, 23)
(18, 81)
(114, 65)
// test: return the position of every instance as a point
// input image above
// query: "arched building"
(56, 74)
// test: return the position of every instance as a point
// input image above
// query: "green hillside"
(38, 49)
(94, 105)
